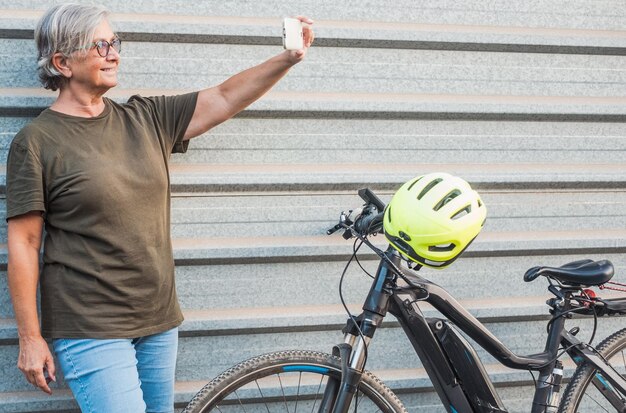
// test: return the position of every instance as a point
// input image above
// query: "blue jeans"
(120, 375)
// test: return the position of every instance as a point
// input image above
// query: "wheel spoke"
(262, 397)
(240, 402)
(295, 409)
(318, 392)
(282, 389)
(597, 403)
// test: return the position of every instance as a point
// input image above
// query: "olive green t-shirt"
(102, 185)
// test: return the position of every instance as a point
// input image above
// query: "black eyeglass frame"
(103, 45)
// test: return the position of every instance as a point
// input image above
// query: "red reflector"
(590, 293)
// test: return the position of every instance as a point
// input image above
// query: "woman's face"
(93, 72)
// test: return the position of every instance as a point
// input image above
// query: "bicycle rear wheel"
(584, 392)
(287, 381)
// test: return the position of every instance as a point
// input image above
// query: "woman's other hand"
(36, 362)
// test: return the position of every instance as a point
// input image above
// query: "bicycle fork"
(359, 331)
(340, 393)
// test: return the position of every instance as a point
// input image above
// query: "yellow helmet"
(431, 219)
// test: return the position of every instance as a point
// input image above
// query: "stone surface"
(525, 100)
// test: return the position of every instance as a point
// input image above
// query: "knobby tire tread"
(223, 381)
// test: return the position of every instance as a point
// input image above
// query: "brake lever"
(346, 219)
(343, 223)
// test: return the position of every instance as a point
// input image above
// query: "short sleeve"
(173, 113)
(24, 186)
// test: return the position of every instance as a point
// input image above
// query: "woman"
(94, 174)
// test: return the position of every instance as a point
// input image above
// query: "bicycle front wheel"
(587, 391)
(287, 381)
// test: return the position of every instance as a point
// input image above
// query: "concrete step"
(203, 178)
(311, 214)
(255, 286)
(30, 101)
(337, 70)
(251, 288)
(278, 215)
(389, 349)
(212, 270)
(222, 250)
(314, 141)
(204, 353)
(279, 249)
(353, 175)
(376, 141)
(417, 23)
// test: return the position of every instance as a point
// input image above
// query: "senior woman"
(94, 174)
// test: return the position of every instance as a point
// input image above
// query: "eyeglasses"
(103, 46)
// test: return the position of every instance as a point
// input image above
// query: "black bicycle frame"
(455, 370)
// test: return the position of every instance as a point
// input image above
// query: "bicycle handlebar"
(365, 220)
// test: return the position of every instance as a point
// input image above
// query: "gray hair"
(64, 28)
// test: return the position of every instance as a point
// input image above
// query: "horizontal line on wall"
(33, 111)
(389, 186)
(352, 43)
(200, 188)
(367, 256)
(478, 116)
(390, 323)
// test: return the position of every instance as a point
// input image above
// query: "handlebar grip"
(366, 223)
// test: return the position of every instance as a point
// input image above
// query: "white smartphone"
(293, 39)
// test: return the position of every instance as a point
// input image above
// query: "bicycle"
(299, 380)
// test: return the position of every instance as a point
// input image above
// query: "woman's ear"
(60, 63)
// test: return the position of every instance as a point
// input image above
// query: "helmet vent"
(461, 213)
(428, 187)
(449, 197)
(442, 248)
(413, 183)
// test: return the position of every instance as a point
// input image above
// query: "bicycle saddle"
(578, 273)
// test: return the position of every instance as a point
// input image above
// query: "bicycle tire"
(581, 395)
(284, 382)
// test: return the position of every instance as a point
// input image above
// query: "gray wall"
(526, 100)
